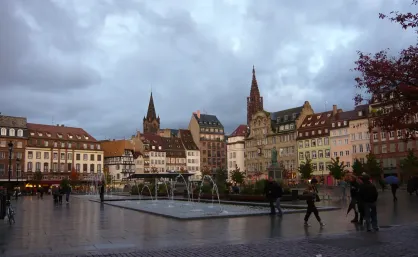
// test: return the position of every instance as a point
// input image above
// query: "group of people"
(59, 192)
(363, 200)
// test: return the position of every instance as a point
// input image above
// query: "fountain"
(213, 188)
(149, 190)
(174, 186)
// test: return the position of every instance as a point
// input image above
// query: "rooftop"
(12, 122)
(115, 148)
(240, 131)
(207, 120)
(59, 132)
(187, 139)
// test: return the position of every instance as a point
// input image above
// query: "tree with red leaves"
(391, 81)
(74, 176)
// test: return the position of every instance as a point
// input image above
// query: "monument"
(275, 170)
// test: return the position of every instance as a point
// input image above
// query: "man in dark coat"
(102, 191)
(354, 188)
(271, 193)
(368, 196)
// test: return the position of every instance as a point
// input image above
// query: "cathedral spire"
(151, 115)
(254, 101)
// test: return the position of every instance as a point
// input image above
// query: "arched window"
(3, 131)
(11, 132)
(20, 133)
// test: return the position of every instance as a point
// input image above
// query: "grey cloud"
(66, 71)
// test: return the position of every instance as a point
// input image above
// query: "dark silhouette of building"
(151, 123)
(254, 101)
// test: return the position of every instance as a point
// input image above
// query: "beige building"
(236, 149)
(277, 129)
(359, 134)
(192, 153)
(139, 162)
(57, 150)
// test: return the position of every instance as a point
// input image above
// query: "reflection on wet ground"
(85, 225)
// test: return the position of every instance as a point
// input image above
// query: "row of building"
(297, 134)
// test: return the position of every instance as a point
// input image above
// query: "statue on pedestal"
(274, 157)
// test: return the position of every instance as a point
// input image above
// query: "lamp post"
(10, 159)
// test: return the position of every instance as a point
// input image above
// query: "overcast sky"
(92, 63)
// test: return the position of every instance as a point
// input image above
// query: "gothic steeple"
(151, 123)
(254, 101)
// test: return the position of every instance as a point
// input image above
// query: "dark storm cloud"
(93, 63)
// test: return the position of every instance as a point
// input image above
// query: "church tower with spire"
(254, 101)
(151, 123)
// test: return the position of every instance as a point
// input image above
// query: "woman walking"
(311, 198)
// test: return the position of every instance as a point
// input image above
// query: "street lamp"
(17, 169)
(10, 159)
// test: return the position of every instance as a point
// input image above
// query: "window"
(319, 141)
(91, 157)
(327, 153)
(85, 146)
(69, 167)
(367, 147)
(333, 125)
(401, 146)
(360, 148)
(92, 147)
(62, 145)
(314, 167)
(78, 157)
(345, 123)
(38, 166)
(55, 156)
(313, 142)
(55, 167)
(348, 164)
(353, 137)
(374, 135)
(307, 155)
(29, 168)
(46, 143)
(326, 141)
(346, 141)
(399, 133)
(321, 166)
(341, 153)
(300, 144)
(99, 167)
(77, 167)
(392, 148)
(335, 154)
(38, 155)
(69, 156)
(347, 153)
(313, 154)
(334, 142)
(320, 154)
(354, 149)
(3, 131)
(85, 157)
(384, 149)
(383, 135)
(11, 132)
(62, 156)
(91, 167)
(20, 133)
(30, 154)
(306, 143)
(46, 167)
(85, 167)
(392, 134)
(69, 145)
(301, 156)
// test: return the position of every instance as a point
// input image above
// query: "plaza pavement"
(85, 227)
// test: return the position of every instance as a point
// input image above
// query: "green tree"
(337, 168)
(358, 167)
(221, 176)
(372, 167)
(206, 171)
(237, 176)
(65, 183)
(305, 169)
(409, 165)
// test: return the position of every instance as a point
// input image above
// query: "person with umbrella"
(393, 182)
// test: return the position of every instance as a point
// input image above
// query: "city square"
(88, 228)
(208, 128)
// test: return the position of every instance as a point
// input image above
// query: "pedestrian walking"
(354, 204)
(60, 194)
(368, 195)
(67, 194)
(271, 194)
(310, 201)
(394, 188)
(279, 192)
(102, 191)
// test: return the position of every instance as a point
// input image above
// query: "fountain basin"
(185, 210)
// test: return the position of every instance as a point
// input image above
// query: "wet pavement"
(85, 226)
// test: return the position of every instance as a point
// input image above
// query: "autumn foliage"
(392, 81)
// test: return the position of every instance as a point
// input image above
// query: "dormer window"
(323, 122)
(153, 147)
(303, 125)
(333, 125)
(313, 133)
(70, 136)
(329, 115)
(86, 137)
(159, 147)
(309, 118)
(78, 137)
(309, 124)
(316, 123)
(285, 118)
(48, 134)
(360, 113)
(32, 134)
(59, 135)
(326, 130)
(294, 115)
(318, 117)
(339, 124)
(319, 132)
(39, 134)
(345, 123)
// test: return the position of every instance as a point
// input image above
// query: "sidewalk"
(392, 241)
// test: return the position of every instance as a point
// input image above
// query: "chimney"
(58, 125)
(334, 109)
(62, 125)
(198, 114)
